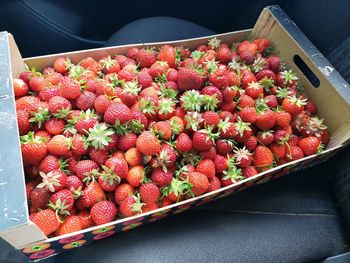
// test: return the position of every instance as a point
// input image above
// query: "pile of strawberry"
(112, 138)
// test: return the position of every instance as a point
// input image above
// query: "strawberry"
(147, 143)
(223, 147)
(209, 154)
(79, 144)
(211, 118)
(254, 90)
(231, 176)
(33, 149)
(221, 163)
(224, 54)
(135, 175)
(293, 105)
(248, 114)
(251, 143)
(265, 137)
(219, 78)
(199, 183)
(37, 83)
(23, 118)
(85, 123)
(59, 106)
(59, 145)
(149, 207)
(127, 141)
(163, 129)
(168, 54)
(262, 157)
(158, 68)
(117, 112)
(71, 224)
(245, 101)
(249, 171)
(310, 145)
(214, 184)
(188, 79)
(133, 157)
(74, 183)
(53, 181)
(49, 163)
(93, 193)
(311, 107)
(166, 157)
(149, 193)
(242, 157)
(184, 143)
(109, 65)
(283, 118)
(286, 78)
(101, 103)
(98, 156)
(262, 44)
(130, 206)
(84, 168)
(62, 199)
(85, 219)
(61, 65)
(39, 198)
(90, 64)
(86, 100)
(20, 88)
(122, 191)
(206, 167)
(70, 89)
(204, 139)
(28, 103)
(271, 101)
(247, 46)
(274, 63)
(47, 221)
(132, 52)
(144, 79)
(162, 178)
(103, 212)
(294, 153)
(145, 57)
(54, 126)
(266, 120)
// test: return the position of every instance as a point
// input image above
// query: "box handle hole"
(307, 71)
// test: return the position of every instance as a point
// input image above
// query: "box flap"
(13, 205)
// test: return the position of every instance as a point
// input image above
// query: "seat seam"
(274, 213)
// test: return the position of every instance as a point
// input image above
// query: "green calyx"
(76, 71)
(267, 83)
(211, 65)
(289, 76)
(137, 206)
(62, 113)
(147, 106)
(168, 93)
(210, 102)
(233, 173)
(166, 106)
(99, 136)
(131, 87)
(177, 187)
(60, 208)
(193, 119)
(298, 101)
(197, 55)
(40, 116)
(258, 64)
(191, 158)
(241, 126)
(283, 93)
(214, 43)
(192, 100)
(108, 175)
(224, 125)
(213, 136)
(31, 139)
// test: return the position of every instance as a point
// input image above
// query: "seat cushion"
(156, 29)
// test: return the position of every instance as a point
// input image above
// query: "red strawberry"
(209, 154)
(79, 144)
(168, 54)
(224, 54)
(145, 57)
(47, 221)
(158, 68)
(38, 83)
(117, 112)
(274, 63)
(149, 193)
(278, 149)
(144, 79)
(311, 107)
(163, 129)
(149, 207)
(162, 178)
(84, 168)
(248, 114)
(53, 181)
(49, 163)
(54, 126)
(92, 194)
(251, 143)
(20, 88)
(61, 65)
(214, 184)
(310, 145)
(135, 175)
(221, 164)
(70, 89)
(283, 118)
(206, 167)
(219, 78)
(33, 149)
(211, 118)
(254, 90)
(59, 105)
(203, 140)
(294, 153)
(101, 103)
(39, 198)
(184, 143)
(98, 156)
(188, 78)
(147, 143)
(122, 191)
(71, 224)
(127, 141)
(199, 183)
(262, 156)
(223, 147)
(130, 206)
(86, 100)
(293, 105)
(265, 137)
(133, 157)
(28, 103)
(262, 44)
(249, 171)
(59, 145)
(243, 157)
(103, 212)
(74, 183)
(23, 118)
(266, 120)
(62, 200)
(245, 101)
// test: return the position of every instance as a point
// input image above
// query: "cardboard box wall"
(332, 97)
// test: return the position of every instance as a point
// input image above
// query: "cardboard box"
(332, 97)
